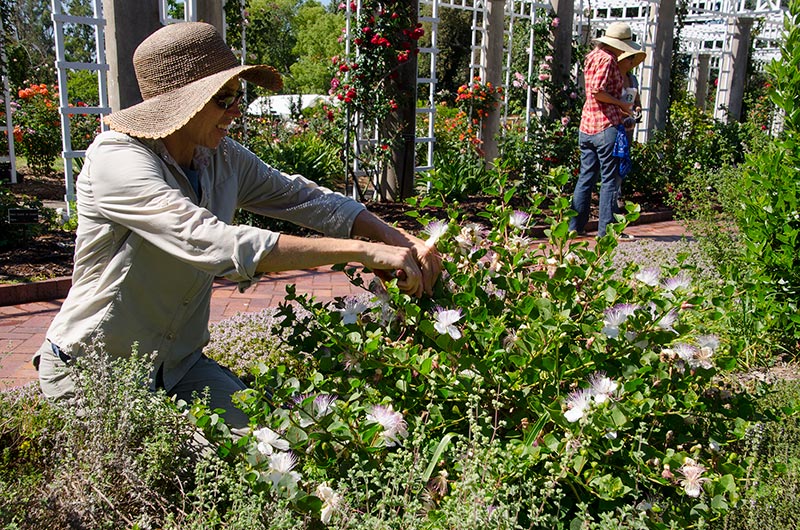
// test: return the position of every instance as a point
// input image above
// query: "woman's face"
(209, 126)
(626, 64)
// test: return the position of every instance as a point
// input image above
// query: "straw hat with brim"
(638, 57)
(180, 68)
(618, 35)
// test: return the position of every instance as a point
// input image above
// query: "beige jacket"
(148, 249)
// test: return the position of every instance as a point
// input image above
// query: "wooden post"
(492, 63)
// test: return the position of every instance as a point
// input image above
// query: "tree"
(271, 36)
(31, 50)
(318, 33)
(455, 43)
(79, 42)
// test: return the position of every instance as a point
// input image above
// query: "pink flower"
(556, 21)
(565, 121)
(544, 77)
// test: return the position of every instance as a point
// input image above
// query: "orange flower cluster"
(480, 97)
(35, 90)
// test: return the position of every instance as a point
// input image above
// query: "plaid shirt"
(601, 74)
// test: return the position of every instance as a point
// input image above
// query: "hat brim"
(618, 44)
(162, 115)
(638, 57)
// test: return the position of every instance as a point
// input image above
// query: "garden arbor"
(715, 34)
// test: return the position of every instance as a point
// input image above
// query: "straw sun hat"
(179, 68)
(618, 35)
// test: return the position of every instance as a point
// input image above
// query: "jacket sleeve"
(266, 191)
(127, 187)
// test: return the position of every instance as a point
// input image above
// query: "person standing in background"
(602, 112)
(628, 61)
(630, 95)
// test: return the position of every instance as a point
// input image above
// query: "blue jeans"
(597, 160)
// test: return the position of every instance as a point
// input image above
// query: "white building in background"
(282, 105)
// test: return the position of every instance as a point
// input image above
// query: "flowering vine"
(385, 35)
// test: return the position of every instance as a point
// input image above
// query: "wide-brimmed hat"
(618, 35)
(638, 57)
(179, 68)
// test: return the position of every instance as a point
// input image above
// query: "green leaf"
(437, 453)
(519, 360)
(552, 442)
(609, 487)
(536, 429)
(401, 385)
(618, 417)
(425, 366)
(577, 463)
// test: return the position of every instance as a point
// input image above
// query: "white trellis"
(708, 31)
(515, 10)
(189, 12)
(63, 65)
(8, 126)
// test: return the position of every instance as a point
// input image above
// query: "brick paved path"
(23, 326)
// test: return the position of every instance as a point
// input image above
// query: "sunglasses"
(226, 101)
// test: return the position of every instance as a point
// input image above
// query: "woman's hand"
(389, 262)
(426, 259)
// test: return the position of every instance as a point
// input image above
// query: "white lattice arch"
(707, 36)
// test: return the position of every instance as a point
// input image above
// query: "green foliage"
(767, 214)
(550, 145)
(27, 441)
(455, 42)
(598, 387)
(318, 33)
(37, 127)
(456, 175)
(82, 87)
(31, 53)
(692, 140)
(270, 31)
(15, 235)
(305, 154)
(772, 450)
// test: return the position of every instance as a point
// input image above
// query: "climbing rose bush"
(578, 391)
(367, 82)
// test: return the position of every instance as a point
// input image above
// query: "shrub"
(597, 387)
(37, 127)
(550, 145)
(768, 213)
